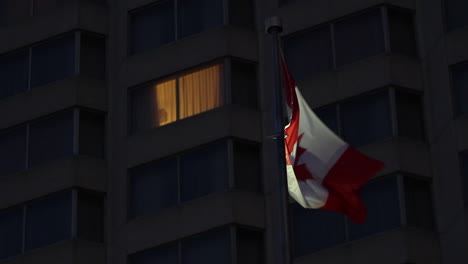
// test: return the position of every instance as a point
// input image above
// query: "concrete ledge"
(195, 50)
(53, 176)
(362, 76)
(400, 154)
(305, 14)
(402, 245)
(69, 251)
(85, 16)
(230, 120)
(56, 96)
(224, 208)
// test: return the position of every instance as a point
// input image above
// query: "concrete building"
(138, 131)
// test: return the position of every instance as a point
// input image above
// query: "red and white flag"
(323, 171)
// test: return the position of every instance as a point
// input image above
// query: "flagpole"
(281, 248)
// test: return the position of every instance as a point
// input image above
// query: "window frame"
(231, 184)
(453, 92)
(400, 185)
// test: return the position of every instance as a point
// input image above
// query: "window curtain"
(200, 91)
(164, 103)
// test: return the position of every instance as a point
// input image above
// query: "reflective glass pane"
(204, 171)
(366, 119)
(327, 228)
(51, 138)
(460, 88)
(48, 220)
(200, 91)
(90, 216)
(53, 60)
(409, 115)
(93, 56)
(197, 16)
(154, 105)
(402, 34)
(309, 52)
(153, 187)
(161, 255)
(14, 71)
(92, 134)
(328, 115)
(418, 202)
(242, 13)
(464, 174)
(456, 13)
(247, 166)
(244, 83)
(382, 201)
(11, 232)
(359, 36)
(250, 249)
(209, 248)
(12, 151)
(151, 26)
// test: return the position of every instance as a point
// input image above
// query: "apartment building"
(139, 131)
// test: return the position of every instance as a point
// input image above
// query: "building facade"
(139, 131)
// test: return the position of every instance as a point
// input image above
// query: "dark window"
(366, 119)
(402, 34)
(241, 13)
(250, 249)
(90, 216)
(460, 87)
(409, 115)
(11, 232)
(326, 228)
(12, 150)
(91, 133)
(92, 56)
(212, 247)
(204, 171)
(328, 115)
(152, 26)
(153, 187)
(12, 11)
(48, 220)
(455, 13)
(359, 36)
(247, 166)
(161, 255)
(382, 201)
(309, 52)
(418, 200)
(53, 60)
(51, 138)
(197, 16)
(244, 83)
(464, 174)
(14, 73)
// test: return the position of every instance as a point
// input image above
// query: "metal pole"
(274, 27)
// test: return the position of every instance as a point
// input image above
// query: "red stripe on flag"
(344, 182)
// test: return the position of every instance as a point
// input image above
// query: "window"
(156, 24)
(368, 118)
(455, 14)
(464, 173)
(209, 247)
(350, 39)
(49, 220)
(382, 199)
(50, 138)
(12, 150)
(459, 74)
(190, 93)
(11, 232)
(51, 61)
(165, 183)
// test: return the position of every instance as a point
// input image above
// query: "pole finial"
(273, 25)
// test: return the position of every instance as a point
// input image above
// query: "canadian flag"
(323, 171)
